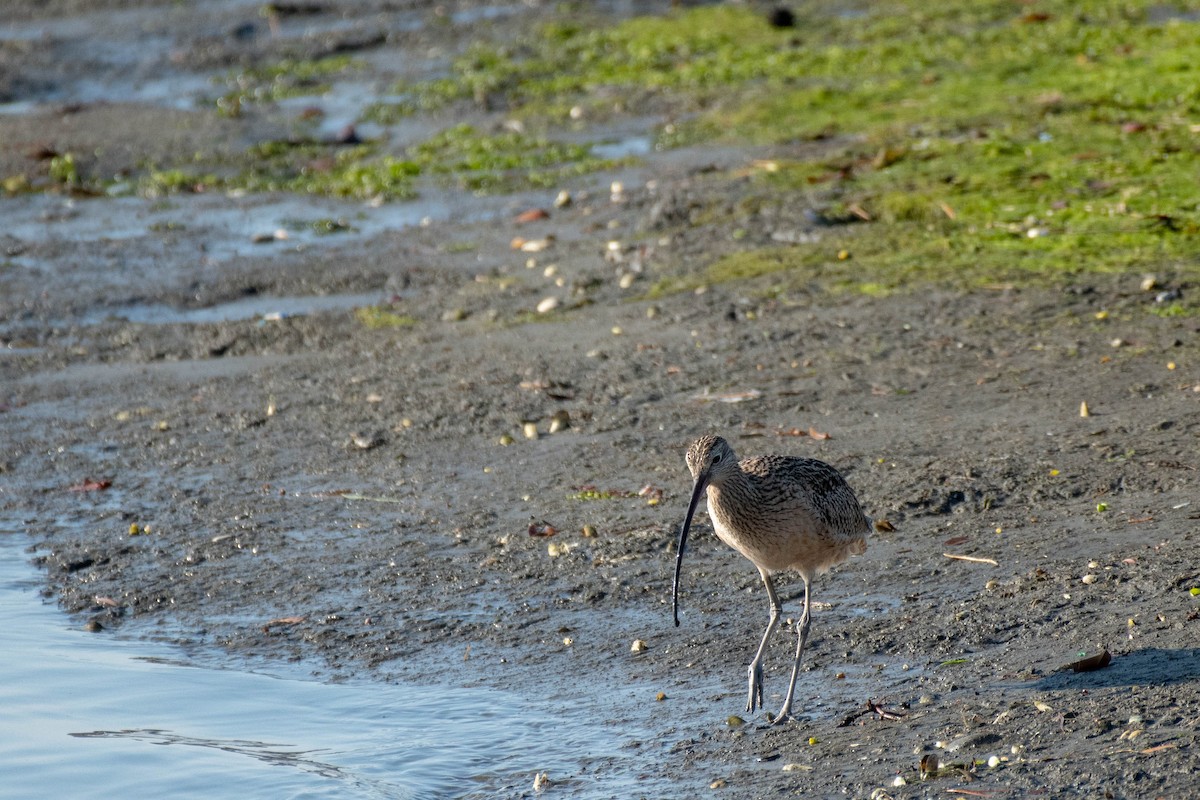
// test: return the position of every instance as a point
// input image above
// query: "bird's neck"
(735, 487)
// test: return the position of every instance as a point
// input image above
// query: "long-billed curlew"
(781, 512)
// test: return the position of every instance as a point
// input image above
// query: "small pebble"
(530, 430)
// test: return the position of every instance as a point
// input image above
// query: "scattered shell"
(374, 397)
(1091, 663)
(1149, 283)
(542, 528)
(560, 421)
(616, 330)
(454, 315)
(540, 781)
(535, 245)
(1043, 707)
(1088, 579)
(568, 641)
(627, 280)
(797, 768)
(506, 440)
(719, 783)
(563, 199)
(735, 721)
(1083, 409)
(994, 762)
(547, 305)
(366, 441)
(530, 430)
(589, 532)
(638, 646)
(576, 112)
(617, 191)
(899, 781)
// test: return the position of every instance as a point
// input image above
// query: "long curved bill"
(697, 492)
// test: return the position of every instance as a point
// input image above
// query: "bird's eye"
(716, 458)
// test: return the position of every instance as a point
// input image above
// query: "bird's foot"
(784, 715)
(755, 700)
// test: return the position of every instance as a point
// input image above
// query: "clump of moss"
(382, 317)
(287, 78)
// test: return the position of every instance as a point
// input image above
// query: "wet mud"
(372, 501)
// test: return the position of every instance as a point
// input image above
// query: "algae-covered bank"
(368, 338)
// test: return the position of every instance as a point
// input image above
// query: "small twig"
(975, 559)
(870, 707)
(883, 712)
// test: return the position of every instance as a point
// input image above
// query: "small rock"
(530, 430)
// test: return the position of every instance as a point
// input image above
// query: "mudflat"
(440, 440)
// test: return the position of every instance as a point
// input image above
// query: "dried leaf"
(532, 215)
(883, 526)
(730, 397)
(1091, 663)
(280, 621)
(90, 485)
(974, 559)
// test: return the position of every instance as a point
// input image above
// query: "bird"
(782, 513)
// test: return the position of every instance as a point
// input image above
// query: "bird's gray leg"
(805, 620)
(755, 700)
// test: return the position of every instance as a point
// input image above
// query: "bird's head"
(710, 459)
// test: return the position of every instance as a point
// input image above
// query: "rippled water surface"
(92, 715)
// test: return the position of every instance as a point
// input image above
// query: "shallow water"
(93, 715)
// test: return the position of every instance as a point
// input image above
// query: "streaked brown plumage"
(781, 512)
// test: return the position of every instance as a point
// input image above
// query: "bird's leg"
(755, 700)
(803, 626)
